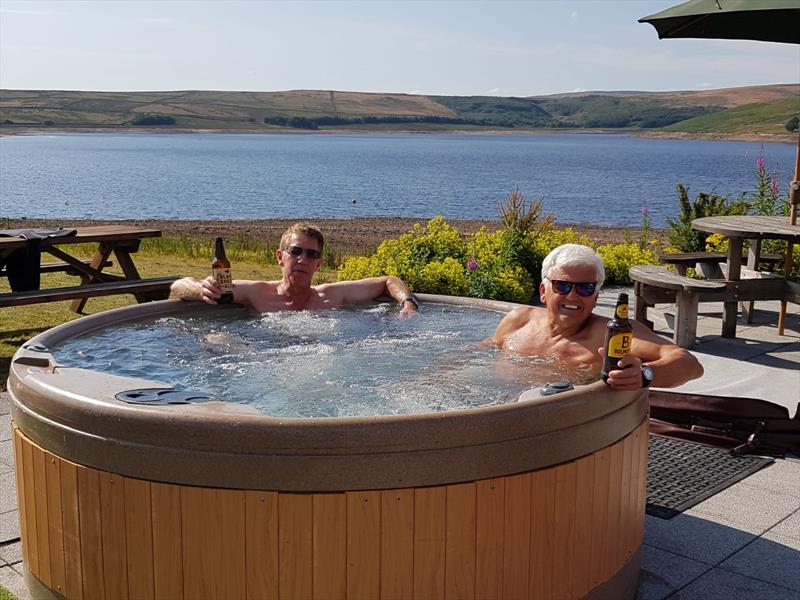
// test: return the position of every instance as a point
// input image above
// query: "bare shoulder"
(514, 320)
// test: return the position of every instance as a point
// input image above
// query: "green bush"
(681, 234)
(618, 258)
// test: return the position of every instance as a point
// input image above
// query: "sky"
(498, 48)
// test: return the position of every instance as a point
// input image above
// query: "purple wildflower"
(773, 185)
(645, 211)
(472, 265)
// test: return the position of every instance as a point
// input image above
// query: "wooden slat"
(56, 532)
(632, 516)
(165, 503)
(42, 521)
(610, 551)
(294, 546)
(156, 286)
(397, 544)
(231, 579)
(584, 527)
(200, 546)
(600, 515)
(112, 515)
(565, 566)
(641, 494)
(19, 462)
(517, 536)
(461, 545)
(139, 539)
(70, 518)
(489, 538)
(261, 533)
(625, 509)
(330, 540)
(90, 533)
(363, 544)
(429, 542)
(542, 538)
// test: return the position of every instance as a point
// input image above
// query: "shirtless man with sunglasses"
(300, 256)
(567, 329)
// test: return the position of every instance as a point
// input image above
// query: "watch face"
(647, 372)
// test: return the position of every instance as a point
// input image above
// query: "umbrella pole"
(794, 198)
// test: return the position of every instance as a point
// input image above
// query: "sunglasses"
(583, 288)
(297, 251)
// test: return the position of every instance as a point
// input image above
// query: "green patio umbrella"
(759, 20)
(762, 20)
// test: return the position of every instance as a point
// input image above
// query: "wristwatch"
(647, 375)
(411, 298)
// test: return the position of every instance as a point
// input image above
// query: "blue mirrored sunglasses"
(583, 288)
(297, 251)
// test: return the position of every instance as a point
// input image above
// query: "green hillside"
(752, 110)
(767, 117)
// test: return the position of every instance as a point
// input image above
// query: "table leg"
(753, 257)
(99, 258)
(730, 310)
(123, 254)
(685, 333)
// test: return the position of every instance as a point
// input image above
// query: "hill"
(734, 111)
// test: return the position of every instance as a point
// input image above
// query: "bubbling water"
(347, 362)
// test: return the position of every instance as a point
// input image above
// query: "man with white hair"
(567, 329)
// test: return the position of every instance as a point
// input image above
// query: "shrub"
(618, 258)
(681, 234)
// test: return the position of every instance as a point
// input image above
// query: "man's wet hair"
(305, 229)
(574, 255)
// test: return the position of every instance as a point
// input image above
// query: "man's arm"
(207, 290)
(671, 364)
(508, 325)
(371, 288)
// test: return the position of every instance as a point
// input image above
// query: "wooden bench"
(156, 288)
(57, 267)
(683, 260)
(655, 285)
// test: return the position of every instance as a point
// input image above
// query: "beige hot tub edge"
(541, 498)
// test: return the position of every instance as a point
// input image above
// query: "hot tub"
(540, 498)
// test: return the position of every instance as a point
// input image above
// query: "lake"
(603, 179)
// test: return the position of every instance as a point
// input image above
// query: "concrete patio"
(743, 543)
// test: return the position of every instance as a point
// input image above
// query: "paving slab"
(664, 572)
(11, 553)
(768, 560)
(696, 538)
(9, 526)
(747, 508)
(789, 528)
(719, 584)
(6, 456)
(8, 499)
(14, 583)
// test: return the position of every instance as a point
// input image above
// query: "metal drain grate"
(681, 474)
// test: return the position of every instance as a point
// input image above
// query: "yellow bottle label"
(619, 345)
(224, 279)
(622, 311)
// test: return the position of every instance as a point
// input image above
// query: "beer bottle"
(619, 336)
(221, 270)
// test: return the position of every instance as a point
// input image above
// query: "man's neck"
(296, 295)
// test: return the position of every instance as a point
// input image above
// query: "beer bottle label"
(224, 280)
(622, 311)
(619, 345)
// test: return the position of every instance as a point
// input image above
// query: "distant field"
(751, 110)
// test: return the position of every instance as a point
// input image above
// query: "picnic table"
(656, 284)
(121, 241)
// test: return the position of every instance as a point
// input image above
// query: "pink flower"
(645, 211)
(472, 265)
(773, 185)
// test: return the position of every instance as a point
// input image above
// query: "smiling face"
(299, 270)
(569, 310)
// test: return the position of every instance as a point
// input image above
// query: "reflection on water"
(328, 363)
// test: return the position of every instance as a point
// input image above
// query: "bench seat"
(56, 267)
(156, 288)
(654, 284)
(684, 260)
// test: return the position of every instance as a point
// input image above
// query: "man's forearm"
(187, 288)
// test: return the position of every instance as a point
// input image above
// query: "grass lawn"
(20, 323)
(6, 595)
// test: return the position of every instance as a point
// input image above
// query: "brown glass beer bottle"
(221, 270)
(619, 336)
